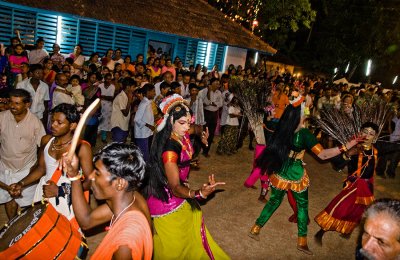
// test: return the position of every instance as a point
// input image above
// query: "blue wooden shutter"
(6, 25)
(105, 38)
(69, 31)
(213, 52)
(219, 56)
(25, 22)
(122, 38)
(201, 52)
(191, 52)
(137, 43)
(87, 36)
(46, 27)
(181, 50)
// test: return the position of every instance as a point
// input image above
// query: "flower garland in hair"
(166, 104)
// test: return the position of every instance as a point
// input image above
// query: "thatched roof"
(190, 18)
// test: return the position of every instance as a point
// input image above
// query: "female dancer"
(179, 230)
(345, 211)
(282, 159)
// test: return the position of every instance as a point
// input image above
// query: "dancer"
(345, 211)
(118, 174)
(282, 159)
(179, 229)
(269, 125)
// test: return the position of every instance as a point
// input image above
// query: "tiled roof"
(190, 18)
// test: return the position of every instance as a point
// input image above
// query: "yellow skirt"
(179, 235)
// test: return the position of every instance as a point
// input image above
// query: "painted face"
(369, 134)
(17, 106)
(60, 126)
(182, 125)
(380, 237)
(101, 181)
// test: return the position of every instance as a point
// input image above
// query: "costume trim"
(170, 156)
(329, 223)
(283, 184)
(365, 200)
(316, 149)
(170, 212)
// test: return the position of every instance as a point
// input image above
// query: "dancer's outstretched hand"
(204, 137)
(209, 188)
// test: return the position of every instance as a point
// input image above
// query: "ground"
(230, 214)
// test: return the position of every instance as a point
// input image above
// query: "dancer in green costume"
(283, 159)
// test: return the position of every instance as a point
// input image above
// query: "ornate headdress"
(343, 126)
(166, 105)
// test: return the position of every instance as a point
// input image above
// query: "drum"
(40, 232)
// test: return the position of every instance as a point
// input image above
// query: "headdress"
(166, 105)
(343, 126)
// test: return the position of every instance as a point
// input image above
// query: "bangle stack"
(198, 195)
(342, 148)
(77, 177)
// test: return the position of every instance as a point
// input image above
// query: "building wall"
(98, 36)
(235, 56)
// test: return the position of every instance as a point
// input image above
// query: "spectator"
(49, 75)
(57, 58)
(38, 55)
(79, 59)
(107, 96)
(60, 94)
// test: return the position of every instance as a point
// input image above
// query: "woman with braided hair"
(179, 230)
(282, 160)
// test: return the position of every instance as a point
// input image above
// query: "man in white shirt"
(38, 90)
(20, 136)
(185, 92)
(121, 111)
(213, 101)
(144, 121)
(60, 94)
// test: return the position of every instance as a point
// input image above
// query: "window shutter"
(87, 36)
(69, 30)
(201, 53)
(138, 40)
(46, 27)
(6, 25)
(122, 37)
(105, 37)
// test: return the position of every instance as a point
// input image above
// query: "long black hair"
(156, 179)
(281, 142)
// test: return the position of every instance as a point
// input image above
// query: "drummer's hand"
(50, 189)
(70, 167)
(15, 190)
(209, 188)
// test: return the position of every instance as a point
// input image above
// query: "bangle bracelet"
(342, 148)
(190, 196)
(77, 177)
(202, 196)
(198, 195)
(21, 183)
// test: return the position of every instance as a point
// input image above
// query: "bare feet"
(262, 199)
(318, 237)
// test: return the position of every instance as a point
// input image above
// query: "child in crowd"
(15, 61)
(75, 88)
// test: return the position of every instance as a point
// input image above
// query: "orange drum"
(40, 232)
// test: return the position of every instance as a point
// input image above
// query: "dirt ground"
(232, 211)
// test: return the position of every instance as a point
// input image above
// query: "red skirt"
(345, 211)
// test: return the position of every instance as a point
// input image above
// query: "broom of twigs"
(253, 97)
(343, 126)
